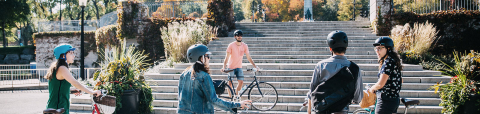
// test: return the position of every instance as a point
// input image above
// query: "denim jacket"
(197, 95)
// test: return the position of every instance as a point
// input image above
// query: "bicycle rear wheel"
(267, 100)
(225, 95)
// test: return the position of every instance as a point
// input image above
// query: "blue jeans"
(236, 72)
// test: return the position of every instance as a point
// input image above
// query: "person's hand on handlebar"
(97, 92)
(255, 69)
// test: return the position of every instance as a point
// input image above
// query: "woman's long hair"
(199, 66)
(393, 54)
(54, 67)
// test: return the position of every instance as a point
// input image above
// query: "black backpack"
(337, 92)
(219, 86)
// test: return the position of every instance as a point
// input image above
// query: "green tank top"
(59, 93)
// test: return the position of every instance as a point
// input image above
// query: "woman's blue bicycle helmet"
(196, 51)
(62, 49)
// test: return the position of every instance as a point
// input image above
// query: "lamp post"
(82, 3)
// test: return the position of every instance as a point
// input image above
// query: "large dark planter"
(469, 106)
(130, 102)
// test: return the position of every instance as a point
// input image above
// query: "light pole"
(82, 3)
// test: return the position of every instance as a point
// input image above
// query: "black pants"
(386, 105)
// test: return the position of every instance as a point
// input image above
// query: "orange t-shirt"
(236, 55)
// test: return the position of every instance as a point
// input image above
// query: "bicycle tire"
(268, 91)
(224, 95)
(361, 111)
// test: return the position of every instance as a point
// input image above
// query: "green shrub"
(457, 30)
(220, 15)
(122, 69)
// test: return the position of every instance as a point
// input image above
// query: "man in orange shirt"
(234, 58)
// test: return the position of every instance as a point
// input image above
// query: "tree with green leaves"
(238, 10)
(12, 12)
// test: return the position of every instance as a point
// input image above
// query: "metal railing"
(177, 9)
(17, 66)
(13, 77)
(428, 6)
(67, 25)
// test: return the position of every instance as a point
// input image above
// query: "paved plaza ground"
(26, 102)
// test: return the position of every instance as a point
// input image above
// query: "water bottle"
(243, 89)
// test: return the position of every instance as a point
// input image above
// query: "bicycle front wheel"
(361, 111)
(265, 101)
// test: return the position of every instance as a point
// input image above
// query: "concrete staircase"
(288, 53)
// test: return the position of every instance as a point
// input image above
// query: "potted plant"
(121, 75)
(461, 94)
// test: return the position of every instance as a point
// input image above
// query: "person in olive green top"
(60, 79)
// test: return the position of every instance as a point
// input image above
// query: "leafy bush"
(417, 39)
(457, 30)
(455, 93)
(220, 15)
(106, 36)
(122, 69)
(178, 36)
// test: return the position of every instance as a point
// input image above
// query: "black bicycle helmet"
(384, 41)
(196, 51)
(238, 33)
(337, 39)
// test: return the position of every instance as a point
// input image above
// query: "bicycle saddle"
(408, 102)
(53, 111)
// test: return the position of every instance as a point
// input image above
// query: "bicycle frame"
(250, 86)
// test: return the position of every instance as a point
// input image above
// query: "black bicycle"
(264, 96)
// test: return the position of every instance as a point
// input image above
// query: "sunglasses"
(378, 48)
(72, 52)
(208, 56)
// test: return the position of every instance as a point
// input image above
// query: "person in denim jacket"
(196, 93)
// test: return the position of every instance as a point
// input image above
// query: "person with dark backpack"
(336, 82)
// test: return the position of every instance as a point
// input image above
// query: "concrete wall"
(45, 45)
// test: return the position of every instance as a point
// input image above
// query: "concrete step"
(294, 45)
(305, 29)
(299, 35)
(350, 49)
(299, 24)
(350, 31)
(295, 85)
(297, 38)
(331, 22)
(325, 54)
(265, 72)
(286, 66)
(358, 61)
(296, 56)
(306, 33)
(288, 41)
(288, 108)
(303, 92)
(293, 27)
(172, 98)
(288, 99)
(366, 79)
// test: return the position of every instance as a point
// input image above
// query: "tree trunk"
(25, 39)
(96, 8)
(3, 35)
(105, 2)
